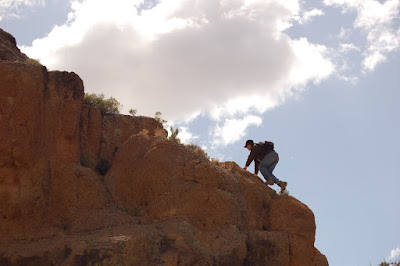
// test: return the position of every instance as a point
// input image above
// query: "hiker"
(265, 158)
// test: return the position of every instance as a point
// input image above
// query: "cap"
(249, 142)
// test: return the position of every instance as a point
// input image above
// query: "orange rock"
(268, 248)
(289, 215)
(90, 135)
(166, 180)
(118, 128)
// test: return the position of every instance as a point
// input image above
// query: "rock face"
(158, 203)
(9, 49)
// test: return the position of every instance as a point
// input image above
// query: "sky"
(318, 78)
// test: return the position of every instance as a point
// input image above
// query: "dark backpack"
(267, 145)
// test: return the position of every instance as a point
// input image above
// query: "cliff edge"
(81, 188)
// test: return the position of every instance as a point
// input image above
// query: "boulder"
(118, 128)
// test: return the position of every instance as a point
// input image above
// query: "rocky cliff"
(156, 202)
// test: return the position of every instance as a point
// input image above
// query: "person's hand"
(245, 168)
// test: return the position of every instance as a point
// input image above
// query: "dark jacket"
(257, 153)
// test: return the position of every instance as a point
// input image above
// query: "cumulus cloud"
(379, 22)
(234, 129)
(307, 16)
(13, 8)
(346, 47)
(344, 33)
(179, 58)
(186, 136)
(225, 59)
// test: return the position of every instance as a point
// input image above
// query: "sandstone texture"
(81, 188)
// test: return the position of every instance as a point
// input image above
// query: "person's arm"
(249, 160)
(256, 164)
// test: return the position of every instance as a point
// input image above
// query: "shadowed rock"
(8, 48)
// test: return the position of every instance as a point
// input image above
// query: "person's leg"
(263, 167)
(274, 163)
(271, 168)
(269, 162)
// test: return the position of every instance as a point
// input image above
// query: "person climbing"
(265, 159)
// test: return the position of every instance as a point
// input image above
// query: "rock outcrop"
(9, 49)
(158, 203)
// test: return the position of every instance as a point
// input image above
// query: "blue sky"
(319, 78)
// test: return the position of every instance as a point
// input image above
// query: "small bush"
(215, 161)
(33, 61)
(132, 112)
(103, 166)
(106, 106)
(174, 135)
(157, 117)
(200, 153)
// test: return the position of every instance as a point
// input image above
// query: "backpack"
(268, 145)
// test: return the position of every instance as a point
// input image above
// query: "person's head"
(249, 144)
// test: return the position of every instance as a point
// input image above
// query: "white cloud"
(186, 136)
(307, 16)
(373, 59)
(243, 105)
(13, 8)
(351, 79)
(311, 63)
(223, 58)
(346, 47)
(379, 22)
(344, 33)
(394, 255)
(234, 129)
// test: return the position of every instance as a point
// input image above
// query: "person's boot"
(270, 181)
(283, 186)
